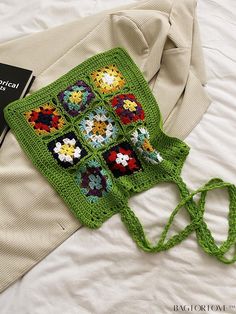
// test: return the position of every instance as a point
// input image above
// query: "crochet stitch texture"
(96, 135)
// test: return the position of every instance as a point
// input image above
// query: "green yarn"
(96, 135)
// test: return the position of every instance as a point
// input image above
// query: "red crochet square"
(127, 108)
(122, 160)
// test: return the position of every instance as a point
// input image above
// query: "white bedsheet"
(102, 271)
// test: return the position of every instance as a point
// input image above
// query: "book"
(15, 83)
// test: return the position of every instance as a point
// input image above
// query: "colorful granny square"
(108, 79)
(122, 160)
(45, 119)
(93, 180)
(98, 127)
(76, 98)
(67, 150)
(141, 140)
(127, 108)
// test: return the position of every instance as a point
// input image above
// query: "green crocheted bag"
(96, 135)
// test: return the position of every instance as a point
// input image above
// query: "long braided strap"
(196, 212)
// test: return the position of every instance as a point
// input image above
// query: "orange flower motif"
(99, 127)
(147, 145)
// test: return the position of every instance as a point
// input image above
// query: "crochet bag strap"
(198, 224)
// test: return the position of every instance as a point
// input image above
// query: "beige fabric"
(162, 38)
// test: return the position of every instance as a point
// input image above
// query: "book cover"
(14, 84)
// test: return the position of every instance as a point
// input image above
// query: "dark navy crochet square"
(67, 150)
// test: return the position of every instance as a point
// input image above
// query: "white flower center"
(122, 159)
(108, 79)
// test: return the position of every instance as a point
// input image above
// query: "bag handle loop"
(196, 212)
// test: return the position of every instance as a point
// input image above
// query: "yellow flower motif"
(67, 149)
(108, 79)
(130, 105)
(99, 127)
(76, 97)
(147, 146)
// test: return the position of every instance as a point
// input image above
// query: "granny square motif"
(75, 98)
(98, 127)
(108, 79)
(93, 180)
(45, 119)
(122, 160)
(127, 108)
(67, 150)
(96, 136)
